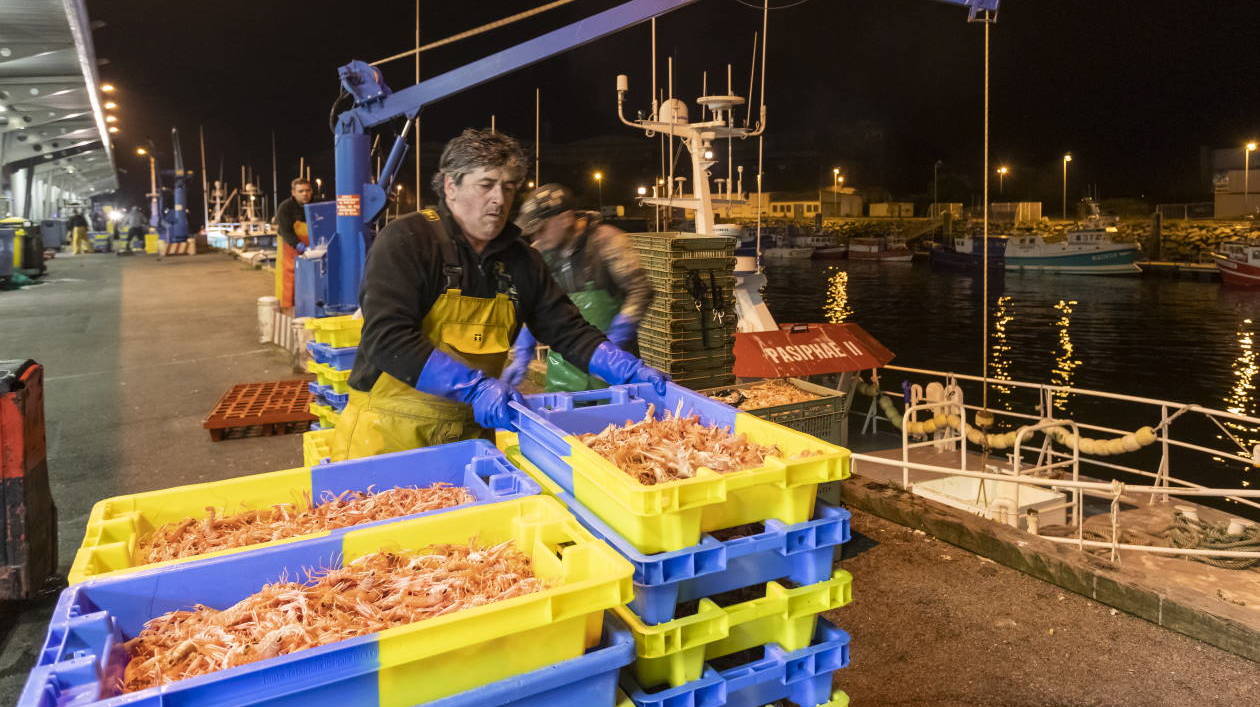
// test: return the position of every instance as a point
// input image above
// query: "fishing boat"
(1088, 250)
(884, 248)
(825, 244)
(1239, 263)
(965, 253)
(785, 248)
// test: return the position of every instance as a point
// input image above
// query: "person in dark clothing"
(444, 294)
(291, 225)
(78, 226)
(597, 267)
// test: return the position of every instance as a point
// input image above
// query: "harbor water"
(1177, 340)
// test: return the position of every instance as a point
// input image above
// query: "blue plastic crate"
(555, 416)
(83, 654)
(341, 359)
(802, 552)
(803, 677)
(324, 394)
(588, 681)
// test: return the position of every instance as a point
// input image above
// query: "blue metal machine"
(359, 200)
(175, 221)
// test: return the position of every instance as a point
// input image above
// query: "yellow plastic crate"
(417, 662)
(316, 446)
(328, 417)
(339, 381)
(518, 460)
(674, 652)
(151, 243)
(116, 525)
(336, 331)
(673, 515)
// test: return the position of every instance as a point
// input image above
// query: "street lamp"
(110, 105)
(641, 191)
(1002, 172)
(107, 88)
(1250, 148)
(1066, 158)
(599, 183)
(835, 191)
(113, 130)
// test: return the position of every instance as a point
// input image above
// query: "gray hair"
(478, 149)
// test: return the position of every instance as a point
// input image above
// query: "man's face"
(555, 231)
(302, 193)
(480, 202)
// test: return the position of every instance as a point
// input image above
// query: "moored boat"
(965, 253)
(1239, 263)
(885, 248)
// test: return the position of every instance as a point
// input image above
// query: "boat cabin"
(1242, 252)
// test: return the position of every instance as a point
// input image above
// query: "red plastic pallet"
(267, 408)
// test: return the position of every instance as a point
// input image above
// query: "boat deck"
(1215, 605)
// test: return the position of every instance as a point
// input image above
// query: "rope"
(475, 31)
(1188, 533)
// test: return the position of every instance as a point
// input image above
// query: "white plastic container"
(267, 307)
(997, 500)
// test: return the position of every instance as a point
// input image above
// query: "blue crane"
(359, 200)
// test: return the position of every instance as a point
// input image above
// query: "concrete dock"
(137, 351)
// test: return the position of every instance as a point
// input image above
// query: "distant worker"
(137, 227)
(291, 225)
(444, 293)
(596, 265)
(79, 241)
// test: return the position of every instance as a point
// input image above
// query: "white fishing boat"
(786, 248)
(1087, 250)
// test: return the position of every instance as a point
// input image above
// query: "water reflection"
(837, 309)
(1000, 346)
(1065, 361)
(1241, 397)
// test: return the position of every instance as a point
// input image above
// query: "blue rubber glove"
(617, 367)
(489, 397)
(300, 247)
(522, 354)
(622, 330)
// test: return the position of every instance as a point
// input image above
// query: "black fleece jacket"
(404, 277)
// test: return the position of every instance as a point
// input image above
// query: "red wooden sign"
(806, 349)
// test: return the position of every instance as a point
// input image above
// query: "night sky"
(882, 88)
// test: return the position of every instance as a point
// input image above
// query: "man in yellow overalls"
(444, 294)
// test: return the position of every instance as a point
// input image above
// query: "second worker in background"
(596, 265)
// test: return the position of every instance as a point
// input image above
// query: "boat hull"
(1120, 261)
(1237, 274)
(966, 262)
(787, 253)
(831, 253)
(890, 256)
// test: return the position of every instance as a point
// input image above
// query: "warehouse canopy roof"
(51, 112)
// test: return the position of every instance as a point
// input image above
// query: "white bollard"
(267, 307)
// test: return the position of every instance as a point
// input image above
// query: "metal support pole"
(347, 249)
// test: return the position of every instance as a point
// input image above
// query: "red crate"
(268, 408)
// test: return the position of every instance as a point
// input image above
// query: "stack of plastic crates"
(689, 331)
(332, 350)
(557, 646)
(731, 571)
(825, 416)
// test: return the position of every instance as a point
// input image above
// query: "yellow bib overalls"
(394, 416)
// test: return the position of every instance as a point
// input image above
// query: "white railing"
(1053, 462)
